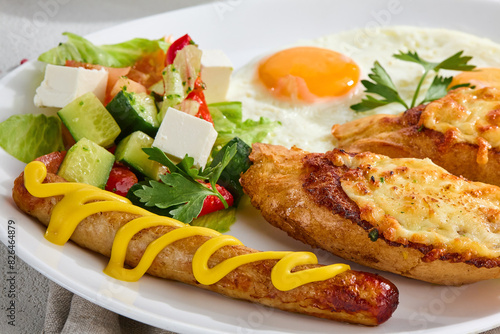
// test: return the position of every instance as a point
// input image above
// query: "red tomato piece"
(52, 161)
(148, 69)
(213, 203)
(131, 86)
(175, 47)
(120, 180)
(112, 149)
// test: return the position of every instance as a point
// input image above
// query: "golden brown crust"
(352, 296)
(404, 136)
(313, 208)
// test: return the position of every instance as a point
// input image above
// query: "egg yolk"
(308, 74)
(481, 77)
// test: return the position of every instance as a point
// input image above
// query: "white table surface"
(28, 28)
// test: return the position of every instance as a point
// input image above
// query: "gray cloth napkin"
(68, 313)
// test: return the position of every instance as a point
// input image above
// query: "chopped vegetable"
(213, 203)
(86, 117)
(130, 152)
(198, 96)
(120, 180)
(86, 162)
(176, 46)
(179, 79)
(383, 85)
(134, 112)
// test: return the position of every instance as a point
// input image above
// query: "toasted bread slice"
(459, 132)
(406, 216)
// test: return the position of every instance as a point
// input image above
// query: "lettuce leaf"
(220, 221)
(116, 55)
(228, 121)
(29, 136)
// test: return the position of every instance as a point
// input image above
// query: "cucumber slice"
(129, 151)
(87, 162)
(134, 112)
(86, 117)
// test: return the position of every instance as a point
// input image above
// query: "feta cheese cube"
(63, 84)
(180, 134)
(216, 70)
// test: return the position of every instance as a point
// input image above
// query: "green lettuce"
(220, 221)
(228, 121)
(116, 55)
(27, 137)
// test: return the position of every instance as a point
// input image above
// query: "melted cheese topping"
(412, 200)
(82, 200)
(469, 115)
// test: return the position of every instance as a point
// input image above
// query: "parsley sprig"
(383, 85)
(180, 190)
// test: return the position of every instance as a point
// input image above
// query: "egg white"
(308, 126)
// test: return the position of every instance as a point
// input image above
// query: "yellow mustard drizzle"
(82, 200)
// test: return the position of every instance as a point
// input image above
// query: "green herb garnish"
(373, 234)
(382, 84)
(180, 190)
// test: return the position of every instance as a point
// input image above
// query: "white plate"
(245, 29)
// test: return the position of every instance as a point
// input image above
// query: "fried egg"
(310, 86)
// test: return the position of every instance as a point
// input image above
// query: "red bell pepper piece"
(213, 203)
(175, 47)
(198, 96)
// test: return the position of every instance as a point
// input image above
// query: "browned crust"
(352, 296)
(312, 207)
(403, 136)
(322, 181)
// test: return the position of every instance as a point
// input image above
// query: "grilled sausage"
(352, 296)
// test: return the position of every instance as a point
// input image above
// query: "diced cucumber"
(174, 90)
(86, 117)
(129, 151)
(134, 112)
(87, 162)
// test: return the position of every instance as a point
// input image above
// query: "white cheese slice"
(216, 70)
(63, 84)
(180, 134)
